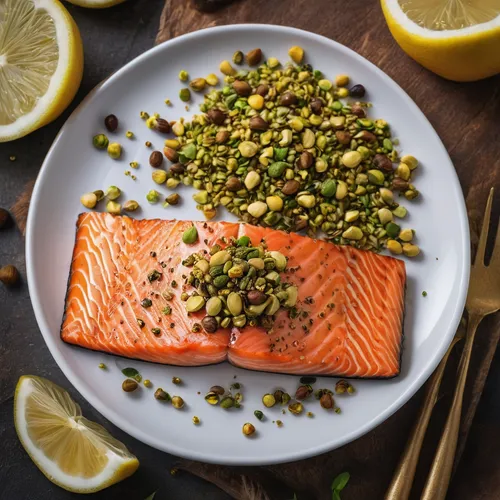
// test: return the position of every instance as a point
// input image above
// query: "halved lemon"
(73, 452)
(41, 64)
(95, 4)
(457, 39)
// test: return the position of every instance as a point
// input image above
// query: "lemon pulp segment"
(28, 57)
(442, 15)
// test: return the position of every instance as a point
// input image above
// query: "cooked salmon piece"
(350, 312)
(348, 320)
(112, 259)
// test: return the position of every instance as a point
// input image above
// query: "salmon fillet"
(348, 320)
(351, 308)
(108, 281)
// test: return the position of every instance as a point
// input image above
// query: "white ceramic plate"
(73, 167)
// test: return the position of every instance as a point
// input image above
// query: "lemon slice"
(41, 64)
(73, 452)
(95, 4)
(457, 39)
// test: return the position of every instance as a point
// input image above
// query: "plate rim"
(137, 433)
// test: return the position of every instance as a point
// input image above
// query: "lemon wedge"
(73, 452)
(96, 4)
(457, 39)
(41, 64)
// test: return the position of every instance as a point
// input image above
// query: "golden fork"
(483, 298)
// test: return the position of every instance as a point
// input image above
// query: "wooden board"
(465, 117)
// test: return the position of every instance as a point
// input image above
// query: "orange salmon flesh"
(350, 302)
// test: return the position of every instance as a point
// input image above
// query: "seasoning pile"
(237, 285)
(278, 147)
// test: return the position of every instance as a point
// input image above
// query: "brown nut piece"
(316, 105)
(4, 218)
(156, 159)
(129, 385)
(233, 184)
(326, 401)
(382, 162)
(177, 168)
(258, 123)
(216, 116)
(209, 324)
(357, 91)
(222, 136)
(288, 99)
(290, 187)
(399, 184)
(173, 199)
(358, 110)
(162, 125)
(305, 160)
(171, 154)
(254, 57)
(9, 275)
(343, 137)
(262, 89)
(111, 123)
(242, 88)
(367, 136)
(300, 224)
(256, 297)
(303, 392)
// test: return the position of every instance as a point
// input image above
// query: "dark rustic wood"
(465, 117)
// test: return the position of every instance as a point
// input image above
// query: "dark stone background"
(112, 37)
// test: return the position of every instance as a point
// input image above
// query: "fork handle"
(442, 467)
(402, 481)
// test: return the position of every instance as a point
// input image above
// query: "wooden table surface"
(464, 115)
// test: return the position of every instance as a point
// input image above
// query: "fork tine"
(481, 247)
(495, 257)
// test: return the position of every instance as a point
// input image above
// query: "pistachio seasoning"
(280, 146)
(237, 285)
